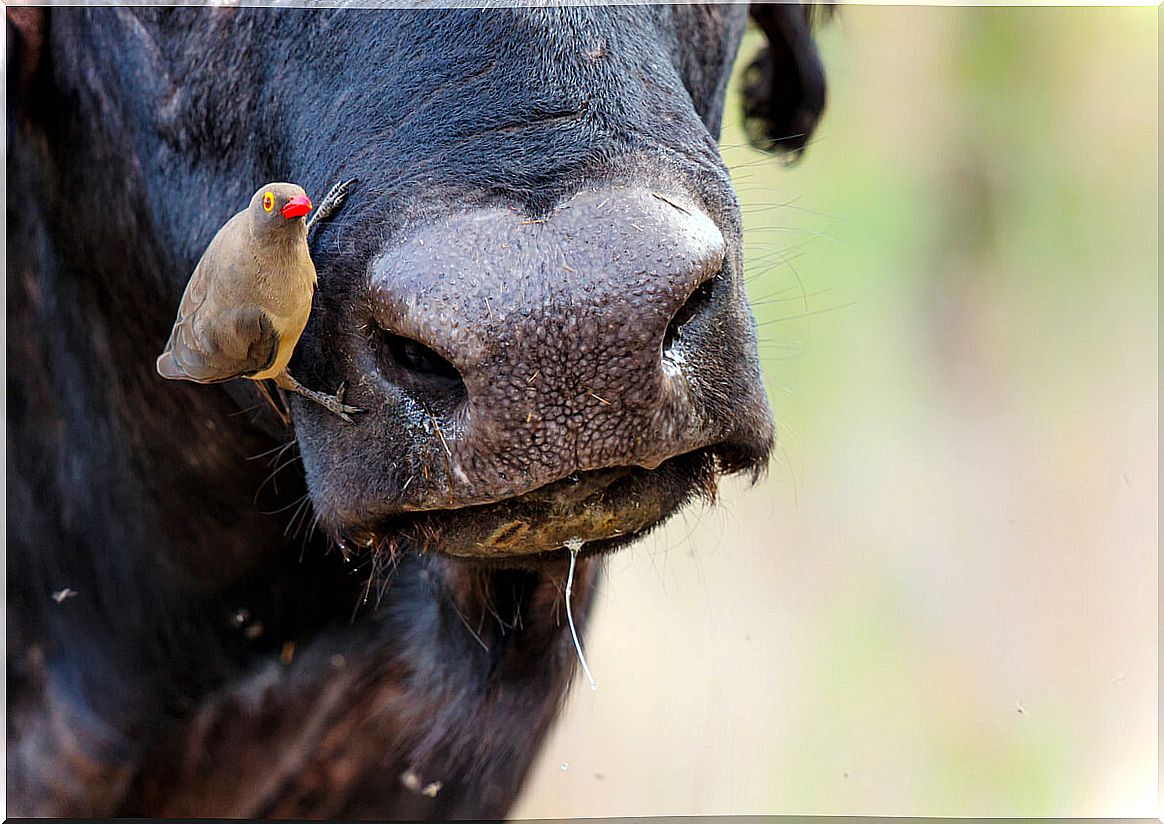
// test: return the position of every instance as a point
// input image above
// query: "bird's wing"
(227, 259)
(217, 346)
(222, 331)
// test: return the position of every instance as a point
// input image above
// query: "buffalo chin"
(605, 509)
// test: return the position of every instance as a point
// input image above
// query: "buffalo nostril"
(418, 369)
(696, 303)
(419, 358)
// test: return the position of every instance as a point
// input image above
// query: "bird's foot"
(332, 201)
(332, 403)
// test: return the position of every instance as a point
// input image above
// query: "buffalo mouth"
(604, 509)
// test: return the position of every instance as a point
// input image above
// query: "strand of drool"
(574, 546)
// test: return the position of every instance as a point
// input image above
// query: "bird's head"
(277, 204)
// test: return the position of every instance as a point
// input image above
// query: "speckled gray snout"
(530, 349)
(555, 327)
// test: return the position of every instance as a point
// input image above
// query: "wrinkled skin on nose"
(556, 327)
(586, 348)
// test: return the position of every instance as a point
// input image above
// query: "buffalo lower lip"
(607, 509)
(521, 528)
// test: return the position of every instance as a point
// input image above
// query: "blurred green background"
(943, 598)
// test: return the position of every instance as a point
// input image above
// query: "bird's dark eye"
(269, 201)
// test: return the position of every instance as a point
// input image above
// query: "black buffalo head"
(536, 290)
(534, 293)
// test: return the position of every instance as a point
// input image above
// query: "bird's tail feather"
(168, 367)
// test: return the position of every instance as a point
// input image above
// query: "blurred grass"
(976, 160)
(943, 599)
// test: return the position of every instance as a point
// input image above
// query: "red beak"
(297, 206)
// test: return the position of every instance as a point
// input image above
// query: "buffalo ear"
(25, 29)
(784, 86)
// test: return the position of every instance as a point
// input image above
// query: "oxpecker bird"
(249, 298)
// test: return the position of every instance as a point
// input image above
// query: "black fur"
(218, 656)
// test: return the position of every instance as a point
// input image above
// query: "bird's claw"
(332, 201)
(341, 408)
(332, 403)
(336, 404)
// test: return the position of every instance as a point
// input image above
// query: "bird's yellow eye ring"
(269, 201)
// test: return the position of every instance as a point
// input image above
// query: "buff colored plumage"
(249, 299)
